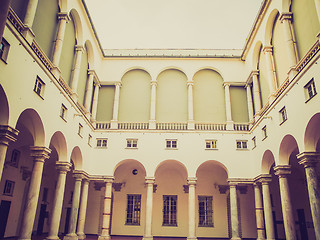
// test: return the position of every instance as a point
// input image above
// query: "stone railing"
(241, 126)
(102, 125)
(133, 125)
(65, 86)
(282, 87)
(304, 61)
(16, 22)
(172, 126)
(211, 126)
(41, 55)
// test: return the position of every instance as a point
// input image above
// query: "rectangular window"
(14, 161)
(171, 144)
(283, 115)
(102, 142)
(133, 209)
(264, 132)
(39, 87)
(8, 188)
(211, 144)
(254, 142)
(169, 210)
(310, 90)
(205, 211)
(132, 143)
(89, 139)
(242, 144)
(80, 129)
(4, 50)
(63, 112)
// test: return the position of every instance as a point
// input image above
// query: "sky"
(173, 24)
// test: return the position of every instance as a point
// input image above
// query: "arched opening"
(4, 109)
(312, 134)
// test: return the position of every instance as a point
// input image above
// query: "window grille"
(205, 211)
(133, 209)
(169, 210)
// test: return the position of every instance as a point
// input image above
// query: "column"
(267, 207)
(309, 160)
(256, 91)
(190, 105)
(272, 80)
(83, 208)
(88, 91)
(192, 208)
(228, 106)
(30, 12)
(317, 3)
(57, 49)
(249, 100)
(105, 234)
(95, 101)
(149, 207)
(78, 175)
(39, 154)
(76, 69)
(152, 121)
(234, 212)
(282, 171)
(3, 15)
(114, 121)
(259, 212)
(7, 135)
(63, 168)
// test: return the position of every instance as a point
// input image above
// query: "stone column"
(259, 212)
(228, 106)
(7, 135)
(76, 69)
(309, 160)
(234, 212)
(256, 91)
(192, 208)
(249, 100)
(78, 175)
(282, 171)
(95, 101)
(63, 168)
(190, 105)
(152, 121)
(105, 234)
(317, 3)
(114, 121)
(88, 91)
(57, 49)
(39, 154)
(272, 79)
(3, 15)
(149, 207)
(267, 207)
(30, 12)
(83, 208)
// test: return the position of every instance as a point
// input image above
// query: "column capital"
(286, 16)
(263, 179)
(63, 167)
(268, 49)
(248, 85)
(118, 84)
(108, 180)
(226, 84)
(63, 16)
(154, 83)
(308, 159)
(8, 134)
(192, 181)
(282, 171)
(92, 72)
(190, 83)
(40, 154)
(79, 48)
(80, 175)
(150, 180)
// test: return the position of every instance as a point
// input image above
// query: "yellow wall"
(105, 103)
(172, 105)
(263, 79)
(209, 99)
(135, 94)
(83, 76)
(239, 104)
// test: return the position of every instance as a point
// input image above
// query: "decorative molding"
(223, 189)
(117, 186)
(186, 188)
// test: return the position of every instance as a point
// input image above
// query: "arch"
(31, 120)
(312, 133)
(208, 68)
(58, 142)
(129, 162)
(78, 26)
(215, 163)
(267, 162)
(287, 146)
(256, 55)
(91, 58)
(172, 164)
(4, 109)
(135, 68)
(76, 158)
(171, 68)
(269, 26)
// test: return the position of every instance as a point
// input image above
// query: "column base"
(104, 237)
(152, 124)
(70, 236)
(229, 125)
(192, 238)
(81, 236)
(52, 238)
(147, 238)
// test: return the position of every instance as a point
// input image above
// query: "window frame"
(132, 143)
(63, 112)
(80, 130)
(264, 132)
(171, 144)
(133, 211)
(39, 90)
(242, 144)
(102, 141)
(283, 115)
(254, 142)
(310, 86)
(4, 50)
(207, 213)
(8, 188)
(170, 211)
(211, 144)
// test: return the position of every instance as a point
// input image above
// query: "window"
(242, 144)
(264, 132)
(80, 129)
(102, 142)
(211, 144)
(310, 90)
(8, 188)
(133, 209)
(171, 144)
(4, 50)
(205, 211)
(169, 210)
(283, 115)
(63, 112)
(132, 143)
(89, 139)
(254, 142)
(39, 87)
(14, 161)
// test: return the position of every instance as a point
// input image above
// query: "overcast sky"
(206, 24)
